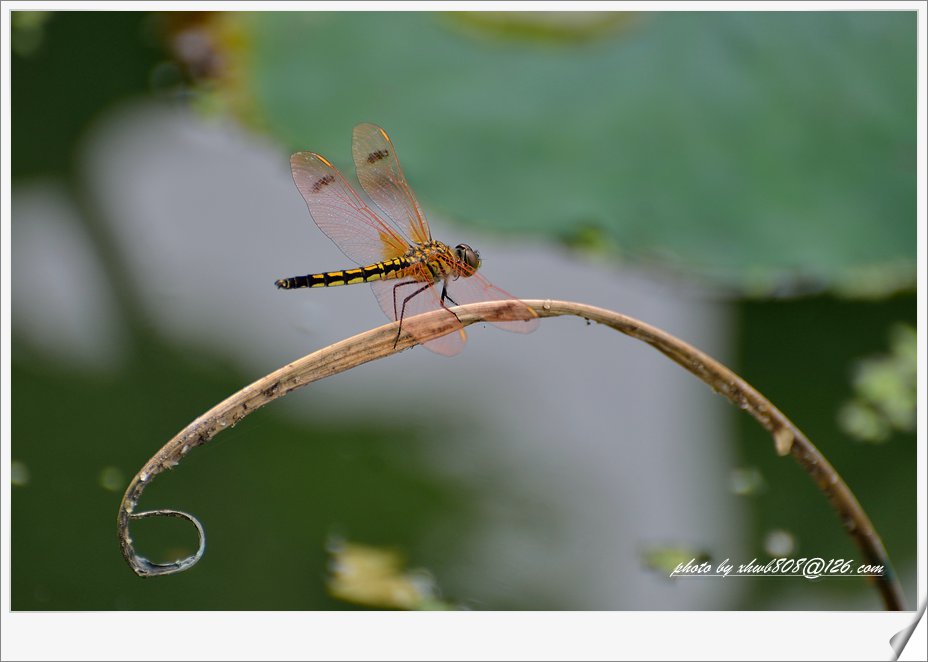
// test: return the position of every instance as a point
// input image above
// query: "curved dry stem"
(379, 342)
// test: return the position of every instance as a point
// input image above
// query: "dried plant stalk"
(378, 343)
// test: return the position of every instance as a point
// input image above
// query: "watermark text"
(809, 568)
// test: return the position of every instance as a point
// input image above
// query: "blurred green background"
(763, 162)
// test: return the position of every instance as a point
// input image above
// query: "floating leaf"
(773, 153)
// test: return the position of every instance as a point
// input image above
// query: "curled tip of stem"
(145, 568)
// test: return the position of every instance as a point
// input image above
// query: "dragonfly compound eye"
(468, 256)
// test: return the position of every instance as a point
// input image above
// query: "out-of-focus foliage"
(746, 481)
(374, 577)
(798, 352)
(779, 542)
(770, 152)
(65, 74)
(19, 474)
(884, 390)
(79, 439)
(27, 31)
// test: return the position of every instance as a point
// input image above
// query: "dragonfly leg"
(403, 308)
(396, 313)
(445, 295)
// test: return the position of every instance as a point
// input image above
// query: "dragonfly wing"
(420, 297)
(475, 288)
(341, 214)
(382, 179)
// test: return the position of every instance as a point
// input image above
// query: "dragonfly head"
(468, 256)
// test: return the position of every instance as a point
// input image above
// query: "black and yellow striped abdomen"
(395, 268)
(429, 261)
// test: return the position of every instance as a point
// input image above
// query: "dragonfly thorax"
(444, 262)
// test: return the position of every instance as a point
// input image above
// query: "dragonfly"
(410, 272)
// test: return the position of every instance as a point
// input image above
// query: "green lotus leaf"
(769, 153)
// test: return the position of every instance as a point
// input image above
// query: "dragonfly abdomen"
(394, 268)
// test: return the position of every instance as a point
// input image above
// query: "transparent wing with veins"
(382, 178)
(341, 214)
(475, 289)
(366, 238)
